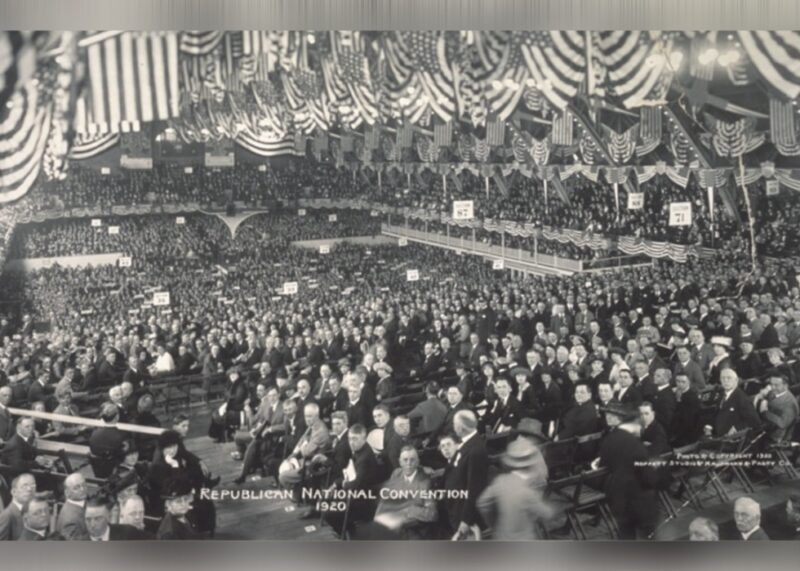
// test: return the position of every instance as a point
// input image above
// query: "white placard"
(105, 170)
(188, 170)
(332, 218)
(374, 214)
(113, 229)
(635, 201)
(324, 249)
(161, 298)
(125, 262)
(262, 168)
(180, 220)
(680, 214)
(412, 275)
(773, 188)
(96, 222)
(301, 212)
(463, 210)
(402, 242)
(289, 288)
(498, 264)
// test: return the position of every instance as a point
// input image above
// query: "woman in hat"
(722, 359)
(513, 505)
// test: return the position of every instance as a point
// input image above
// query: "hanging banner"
(96, 222)
(635, 201)
(498, 264)
(412, 275)
(180, 220)
(289, 288)
(161, 298)
(680, 214)
(402, 242)
(125, 262)
(773, 188)
(463, 210)
(324, 249)
(113, 229)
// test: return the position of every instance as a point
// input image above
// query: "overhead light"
(708, 56)
(675, 58)
(311, 38)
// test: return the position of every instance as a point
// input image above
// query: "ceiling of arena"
(528, 99)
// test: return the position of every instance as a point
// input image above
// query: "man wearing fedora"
(512, 506)
(629, 486)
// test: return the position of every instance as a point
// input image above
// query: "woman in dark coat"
(172, 461)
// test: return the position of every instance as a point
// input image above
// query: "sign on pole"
(188, 170)
(635, 201)
(680, 214)
(161, 298)
(332, 218)
(324, 249)
(105, 170)
(301, 212)
(402, 242)
(289, 288)
(498, 264)
(125, 262)
(463, 210)
(96, 222)
(374, 213)
(773, 188)
(412, 275)
(113, 229)
(180, 220)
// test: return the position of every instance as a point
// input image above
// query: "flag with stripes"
(133, 76)
(563, 129)
(556, 61)
(24, 130)
(783, 131)
(198, 43)
(635, 67)
(775, 56)
(372, 137)
(495, 133)
(428, 56)
(443, 134)
(17, 62)
(650, 130)
(405, 135)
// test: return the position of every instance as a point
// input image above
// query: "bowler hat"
(521, 371)
(530, 427)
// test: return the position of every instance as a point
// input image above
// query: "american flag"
(429, 56)
(17, 61)
(556, 61)
(775, 56)
(782, 126)
(563, 128)
(198, 43)
(495, 133)
(443, 134)
(372, 136)
(405, 135)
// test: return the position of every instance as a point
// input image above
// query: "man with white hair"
(131, 512)
(747, 517)
(470, 473)
(71, 523)
(736, 411)
(315, 439)
(703, 529)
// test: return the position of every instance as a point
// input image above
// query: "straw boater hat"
(726, 342)
(520, 455)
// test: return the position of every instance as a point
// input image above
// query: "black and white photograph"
(450, 285)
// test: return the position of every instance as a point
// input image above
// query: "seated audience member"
(64, 431)
(785, 523)
(107, 443)
(686, 422)
(736, 411)
(778, 409)
(36, 515)
(406, 511)
(23, 489)
(582, 418)
(71, 522)
(131, 512)
(315, 439)
(428, 416)
(176, 525)
(19, 453)
(99, 527)
(747, 520)
(703, 529)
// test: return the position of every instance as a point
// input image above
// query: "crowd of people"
(462, 382)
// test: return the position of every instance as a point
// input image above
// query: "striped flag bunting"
(556, 62)
(268, 146)
(24, 130)
(200, 43)
(563, 128)
(88, 146)
(426, 54)
(443, 134)
(635, 65)
(17, 62)
(495, 133)
(650, 130)
(774, 56)
(133, 77)
(783, 130)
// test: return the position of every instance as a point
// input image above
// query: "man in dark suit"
(71, 522)
(645, 381)
(629, 485)
(736, 410)
(685, 427)
(19, 454)
(428, 416)
(628, 394)
(505, 412)
(778, 408)
(476, 351)
(224, 422)
(582, 418)
(653, 434)
(688, 367)
(107, 443)
(785, 521)
(470, 473)
(99, 528)
(747, 517)
(6, 421)
(23, 489)
(663, 399)
(431, 361)
(360, 475)
(357, 410)
(455, 403)
(36, 520)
